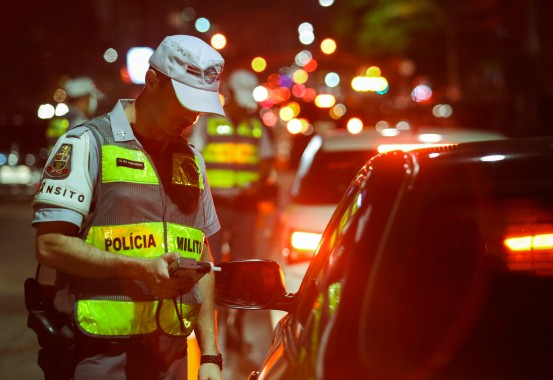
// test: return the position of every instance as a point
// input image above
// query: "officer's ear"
(152, 79)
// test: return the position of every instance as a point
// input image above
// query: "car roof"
(342, 140)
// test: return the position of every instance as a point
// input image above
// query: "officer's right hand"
(156, 276)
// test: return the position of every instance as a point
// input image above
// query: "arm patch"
(65, 180)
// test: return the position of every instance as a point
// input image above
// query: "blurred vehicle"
(327, 167)
(19, 176)
(436, 264)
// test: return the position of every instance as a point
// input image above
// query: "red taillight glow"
(530, 252)
(383, 148)
(529, 243)
(305, 241)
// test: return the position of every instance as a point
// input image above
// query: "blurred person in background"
(239, 156)
(122, 197)
(82, 100)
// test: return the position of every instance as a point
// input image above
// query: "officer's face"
(172, 117)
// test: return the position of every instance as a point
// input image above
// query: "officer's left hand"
(209, 371)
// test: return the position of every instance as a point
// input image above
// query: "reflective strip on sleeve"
(126, 165)
(186, 240)
(140, 240)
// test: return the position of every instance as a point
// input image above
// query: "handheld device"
(190, 268)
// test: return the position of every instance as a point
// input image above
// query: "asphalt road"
(18, 344)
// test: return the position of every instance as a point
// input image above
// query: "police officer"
(239, 156)
(82, 100)
(121, 198)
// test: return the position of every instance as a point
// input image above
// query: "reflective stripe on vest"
(111, 311)
(122, 318)
(232, 154)
(126, 165)
(113, 317)
(147, 239)
(57, 127)
(226, 179)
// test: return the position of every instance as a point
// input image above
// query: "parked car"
(436, 264)
(327, 166)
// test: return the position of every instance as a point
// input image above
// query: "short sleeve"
(65, 190)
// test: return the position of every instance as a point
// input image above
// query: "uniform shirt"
(82, 179)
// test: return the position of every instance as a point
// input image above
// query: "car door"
(295, 342)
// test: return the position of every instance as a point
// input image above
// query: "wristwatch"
(215, 359)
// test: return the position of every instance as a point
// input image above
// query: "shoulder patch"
(59, 165)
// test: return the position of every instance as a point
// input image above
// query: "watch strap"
(214, 359)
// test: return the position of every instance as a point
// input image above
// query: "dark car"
(437, 264)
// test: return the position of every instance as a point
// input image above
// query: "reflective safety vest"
(231, 153)
(56, 127)
(133, 216)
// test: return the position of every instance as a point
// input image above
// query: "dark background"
(492, 60)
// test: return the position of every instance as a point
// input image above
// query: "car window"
(328, 176)
(320, 293)
(328, 253)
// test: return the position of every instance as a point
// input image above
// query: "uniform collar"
(120, 127)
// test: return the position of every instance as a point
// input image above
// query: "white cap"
(194, 68)
(242, 83)
(81, 86)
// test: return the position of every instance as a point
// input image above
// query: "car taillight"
(530, 252)
(301, 246)
(383, 148)
(305, 241)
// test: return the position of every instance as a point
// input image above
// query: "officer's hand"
(156, 276)
(209, 371)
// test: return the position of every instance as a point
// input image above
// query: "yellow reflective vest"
(133, 216)
(231, 153)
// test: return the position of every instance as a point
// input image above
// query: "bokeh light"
(326, 3)
(332, 79)
(307, 37)
(303, 57)
(354, 125)
(46, 111)
(260, 93)
(442, 110)
(259, 64)
(328, 46)
(202, 25)
(421, 93)
(218, 41)
(110, 55)
(137, 63)
(300, 76)
(325, 100)
(337, 111)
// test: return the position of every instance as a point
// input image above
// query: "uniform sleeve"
(65, 190)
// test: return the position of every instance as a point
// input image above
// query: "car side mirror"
(251, 284)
